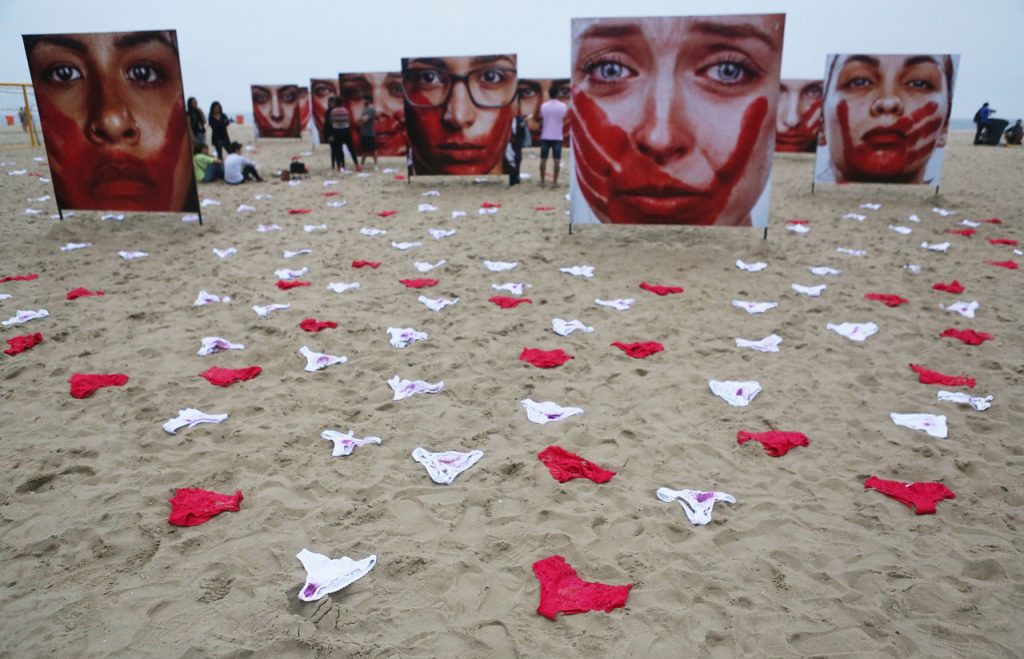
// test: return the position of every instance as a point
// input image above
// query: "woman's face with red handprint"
(799, 116)
(885, 115)
(673, 118)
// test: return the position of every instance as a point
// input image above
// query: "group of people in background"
(233, 169)
(338, 128)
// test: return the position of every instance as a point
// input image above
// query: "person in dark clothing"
(196, 121)
(981, 119)
(219, 129)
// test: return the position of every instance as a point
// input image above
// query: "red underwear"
(561, 591)
(922, 497)
(776, 442)
(565, 466)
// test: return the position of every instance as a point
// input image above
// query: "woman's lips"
(461, 151)
(667, 202)
(885, 138)
(121, 177)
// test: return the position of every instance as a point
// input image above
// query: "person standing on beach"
(981, 119)
(196, 121)
(219, 129)
(368, 131)
(552, 117)
(338, 124)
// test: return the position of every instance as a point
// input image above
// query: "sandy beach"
(807, 562)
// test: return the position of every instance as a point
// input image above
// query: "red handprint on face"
(803, 136)
(622, 185)
(896, 152)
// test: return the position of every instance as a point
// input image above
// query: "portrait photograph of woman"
(459, 112)
(799, 117)
(322, 89)
(384, 91)
(113, 119)
(532, 94)
(886, 118)
(673, 118)
(280, 110)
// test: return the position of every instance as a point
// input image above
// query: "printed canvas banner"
(112, 111)
(280, 110)
(381, 94)
(885, 118)
(533, 92)
(322, 90)
(799, 117)
(459, 113)
(673, 118)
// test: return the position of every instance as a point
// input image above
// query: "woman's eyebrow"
(863, 59)
(738, 31)
(435, 62)
(490, 59)
(60, 41)
(920, 59)
(132, 39)
(613, 31)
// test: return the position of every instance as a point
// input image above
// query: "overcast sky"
(226, 46)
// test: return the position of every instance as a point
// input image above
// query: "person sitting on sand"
(1014, 133)
(207, 168)
(237, 168)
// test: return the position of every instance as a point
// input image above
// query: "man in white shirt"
(552, 117)
(237, 168)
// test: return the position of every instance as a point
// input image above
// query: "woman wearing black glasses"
(459, 112)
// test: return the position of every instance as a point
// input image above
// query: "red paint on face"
(804, 135)
(111, 174)
(624, 186)
(890, 153)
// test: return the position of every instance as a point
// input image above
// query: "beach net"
(19, 121)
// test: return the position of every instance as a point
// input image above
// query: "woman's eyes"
(322, 90)
(143, 73)
(731, 72)
(606, 71)
(261, 97)
(289, 97)
(919, 84)
(428, 78)
(395, 90)
(63, 73)
(858, 82)
(491, 76)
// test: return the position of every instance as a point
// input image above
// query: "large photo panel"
(280, 110)
(321, 91)
(459, 112)
(112, 111)
(799, 116)
(378, 95)
(532, 93)
(885, 118)
(673, 118)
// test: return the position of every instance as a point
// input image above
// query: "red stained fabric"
(488, 204)
(797, 222)
(934, 377)
(639, 350)
(565, 466)
(22, 343)
(968, 336)
(962, 232)
(544, 358)
(561, 591)
(399, 177)
(661, 290)
(76, 293)
(28, 277)
(329, 194)
(314, 325)
(288, 285)
(776, 442)
(992, 220)
(366, 264)
(509, 302)
(84, 384)
(193, 506)
(921, 497)
(299, 211)
(1009, 265)
(223, 377)
(418, 283)
(1003, 241)
(385, 213)
(543, 208)
(886, 299)
(954, 287)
